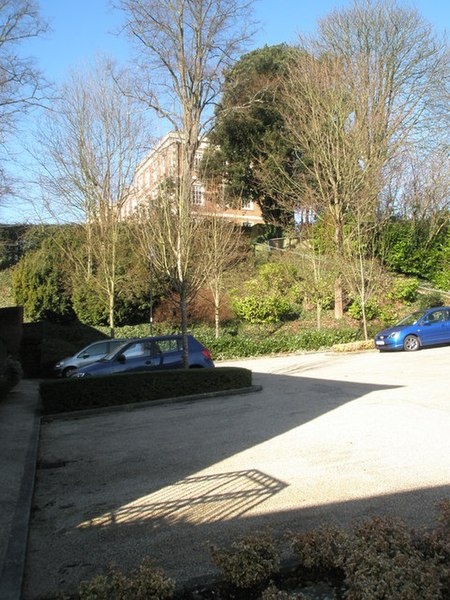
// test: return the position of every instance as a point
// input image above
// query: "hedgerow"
(260, 341)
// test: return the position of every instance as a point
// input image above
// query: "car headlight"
(78, 375)
(394, 335)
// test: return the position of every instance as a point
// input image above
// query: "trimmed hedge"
(251, 341)
(95, 392)
(245, 346)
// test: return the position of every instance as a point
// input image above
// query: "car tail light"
(207, 354)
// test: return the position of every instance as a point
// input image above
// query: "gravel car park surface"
(329, 438)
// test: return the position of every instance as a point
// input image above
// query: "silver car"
(86, 356)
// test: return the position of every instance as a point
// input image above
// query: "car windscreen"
(411, 319)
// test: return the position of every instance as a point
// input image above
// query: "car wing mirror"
(85, 356)
(122, 358)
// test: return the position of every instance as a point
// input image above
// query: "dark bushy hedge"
(229, 347)
(257, 341)
(95, 392)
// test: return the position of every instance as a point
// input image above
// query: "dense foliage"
(249, 129)
(414, 249)
(48, 284)
(40, 284)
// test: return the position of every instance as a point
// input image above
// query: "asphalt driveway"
(330, 437)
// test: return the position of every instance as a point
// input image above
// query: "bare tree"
(91, 147)
(426, 189)
(184, 47)
(182, 267)
(225, 247)
(334, 178)
(20, 81)
(370, 84)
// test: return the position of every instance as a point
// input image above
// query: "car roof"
(171, 336)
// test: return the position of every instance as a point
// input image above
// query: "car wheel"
(411, 343)
(68, 372)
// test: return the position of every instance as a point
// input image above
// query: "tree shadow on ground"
(166, 480)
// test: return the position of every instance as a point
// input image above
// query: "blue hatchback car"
(145, 354)
(422, 328)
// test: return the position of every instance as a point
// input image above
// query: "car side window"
(114, 345)
(95, 350)
(438, 315)
(168, 346)
(138, 349)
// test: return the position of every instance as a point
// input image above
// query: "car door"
(171, 353)
(433, 328)
(138, 356)
(92, 354)
(444, 337)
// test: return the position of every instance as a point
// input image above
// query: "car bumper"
(387, 344)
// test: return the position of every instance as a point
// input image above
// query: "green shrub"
(95, 392)
(405, 290)
(147, 582)
(249, 561)
(384, 562)
(262, 309)
(323, 548)
(425, 301)
(355, 309)
(442, 279)
(388, 315)
(239, 346)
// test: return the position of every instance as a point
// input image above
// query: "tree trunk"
(111, 315)
(183, 309)
(216, 320)
(338, 298)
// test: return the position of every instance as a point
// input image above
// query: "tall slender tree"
(366, 87)
(183, 48)
(91, 147)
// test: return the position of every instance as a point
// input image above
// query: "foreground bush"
(95, 392)
(147, 582)
(378, 558)
(381, 558)
(249, 561)
(10, 377)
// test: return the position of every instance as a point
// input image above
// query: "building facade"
(163, 164)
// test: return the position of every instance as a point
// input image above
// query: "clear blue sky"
(82, 28)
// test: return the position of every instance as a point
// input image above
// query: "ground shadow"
(157, 481)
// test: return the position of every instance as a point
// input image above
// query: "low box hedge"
(94, 392)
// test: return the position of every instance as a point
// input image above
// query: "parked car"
(144, 354)
(86, 356)
(421, 328)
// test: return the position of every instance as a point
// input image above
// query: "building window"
(198, 160)
(197, 195)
